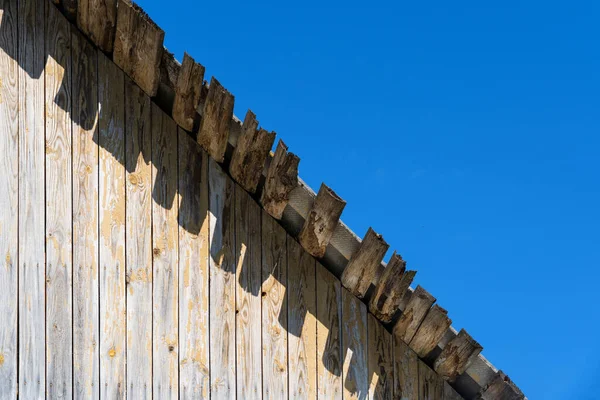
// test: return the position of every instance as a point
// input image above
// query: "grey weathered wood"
(302, 324)
(381, 368)
(250, 154)
(111, 93)
(450, 393)
(165, 252)
(406, 371)
(187, 92)
(430, 332)
(355, 371)
(138, 143)
(501, 388)
(412, 316)
(274, 310)
(390, 290)
(59, 213)
(138, 46)
(194, 377)
(222, 283)
(216, 117)
(97, 19)
(322, 220)
(456, 356)
(9, 180)
(32, 278)
(282, 178)
(86, 312)
(364, 264)
(431, 386)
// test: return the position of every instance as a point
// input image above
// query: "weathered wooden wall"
(135, 267)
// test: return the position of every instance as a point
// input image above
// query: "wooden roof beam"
(188, 90)
(282, 178)
(97, 19)
(456, 356)
(501, 387)
(430, 332)
(216, 117)
(413, 315)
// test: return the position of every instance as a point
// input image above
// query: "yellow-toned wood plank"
(354, 347)
(381, 373)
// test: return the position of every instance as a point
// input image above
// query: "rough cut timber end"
(413, 314)
(321, 221)
(138, 46)
(217, 114)
(364, 264)
(456, 356)
(250, 154)
(501, 388)
(282, 178)
(431, 331)
(391, 288)
(98, 19)
(187, 93)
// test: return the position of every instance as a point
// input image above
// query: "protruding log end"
(187, 93)
(456, 356)
(217, 114)
(412, 316)
(282, 178)
(501, 387)
(431, 331)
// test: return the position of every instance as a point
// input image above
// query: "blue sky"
(467, 134)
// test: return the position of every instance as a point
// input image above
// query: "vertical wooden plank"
(222, 283)
(329, 350)
(193, 269)
(59, 324)
(450, 393)
(165, 238)
(9, 163)
(406, 371)
(32, 355)
(248, 304)
(431, 386)
(274, 310)
(138, 139)
(111, 88)
(381, 372)
(354, 347)
(86, 312)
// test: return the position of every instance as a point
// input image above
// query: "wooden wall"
(135, 267)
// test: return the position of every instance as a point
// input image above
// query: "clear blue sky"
(467, 134)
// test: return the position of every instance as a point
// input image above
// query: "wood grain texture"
(59, 212)
(456, 356)
(329, 339)
(406, 371)
(502, 388)
(282, 178)
(194, 380)
(138, 46)
(138, 143)
(364, 264)
(431, 386)
(274, 310)
(417, 308)
(9, 200)
(355, 371)
(380, 365)
(222, 283)
(216, 117)
(250, 153)
(86, 311)
(97, 19)
(32, 316)
(302, 324)
(165, 249)
(248, 302)
(430, 332)
(187, 92)
(111, 139)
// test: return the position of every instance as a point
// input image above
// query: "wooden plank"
(216, 117)
(364, 264)
(274, 310)
(187, 93)
(282, 178)
(391, 288)
(250, 154)
(138, 142)
(32, 316)
(59, 212)
(380, 364)
(9, 184)
(456, 356)
(322, 220)
(406, 371)
(86, 311)
(329, 340)
(419, 304)
(302, 325)
(355, 371)
(138, 46)
(430, 332)
(165, 347)
(97, 20)
(222, 283)
(431, 386)
(248, 304)
(111, 93)
(194, 378)
(450, 393)
(501, 388)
